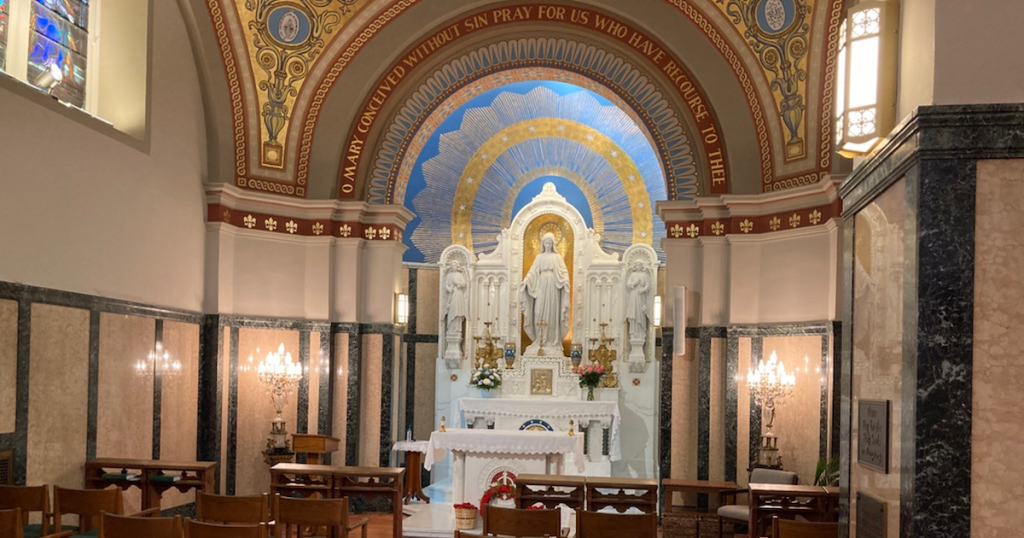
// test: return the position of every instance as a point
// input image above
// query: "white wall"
(85, 212)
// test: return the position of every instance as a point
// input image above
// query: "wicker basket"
(465, 519)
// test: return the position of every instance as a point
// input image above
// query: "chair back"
(115, 526)
(785, 528)
(613, 525)
(515, 522)
(230, 509)
(87, 504)
(11, 524)
(200, 529)
(773, 476)
(295, 513)
(29, 499)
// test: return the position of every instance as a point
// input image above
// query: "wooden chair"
(88, 504)
(613, 525)
(29, 499)
(115, 526)
(229, 509)
(740, 513)
(331, 513)
(514, 522)
(785, 528)
(12, 525)
(199, 529)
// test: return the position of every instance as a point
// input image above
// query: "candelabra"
(491, 351)
(602, 354)
(158, 361)
(769, 385)
(281, 375)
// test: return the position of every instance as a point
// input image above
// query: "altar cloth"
(578, 410)
(504, 442)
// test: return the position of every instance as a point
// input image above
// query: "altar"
(483, 458)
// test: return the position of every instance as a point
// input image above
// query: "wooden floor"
(380, 527)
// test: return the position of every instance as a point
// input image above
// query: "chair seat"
(35, 531)
(735, 511)
(356, 523)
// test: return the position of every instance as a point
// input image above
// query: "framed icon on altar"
(541, 382)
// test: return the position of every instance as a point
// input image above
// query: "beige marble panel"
(370, 400)
(997, 434)
(340, 394)
(124, 418)
(58, 395)
(684, 414)
(426, 370)
(225, 368)
(878, 339)
(316, 367)
(743, 414)
(255, 408)
(180, 403)
(716, 445)
(8, 363)
(428, 283)
(798, 419)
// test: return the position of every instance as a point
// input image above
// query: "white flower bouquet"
(483, 377)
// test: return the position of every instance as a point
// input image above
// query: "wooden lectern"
(314, 446)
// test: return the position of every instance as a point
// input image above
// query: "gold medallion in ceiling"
(284, 39)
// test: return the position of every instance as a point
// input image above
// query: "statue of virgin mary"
(544, 296)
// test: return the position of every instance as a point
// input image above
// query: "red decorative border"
(266, 222)
(751, 225)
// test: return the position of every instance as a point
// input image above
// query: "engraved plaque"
(873, 434)
(541, 381)
(871, 517)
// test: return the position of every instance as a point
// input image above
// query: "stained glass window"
(4, 8)
(60, 37)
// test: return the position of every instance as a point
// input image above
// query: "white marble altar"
(483, 458)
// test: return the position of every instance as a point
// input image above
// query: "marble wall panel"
(798, 419)
(340, 394)
(684, 414)
(179, 403)
(8, 363)
(316, 369)
(370, 400)
(743, 414)
(878, 277)
(428, 282)
(997, 433)
(255, 408)
(58, 395)
(225, 369)
(716, 445)
(124, 412)
(426, 362)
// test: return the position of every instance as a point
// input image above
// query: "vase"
(590, 394)
(487, 393)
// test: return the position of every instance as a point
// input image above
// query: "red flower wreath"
(502, 491)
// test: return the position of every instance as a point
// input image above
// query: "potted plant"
(827, 472)
(486, 380)
(465, 516)
(590, 377)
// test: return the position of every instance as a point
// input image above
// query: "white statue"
(455, 309)
(638, 307)
(544, 295)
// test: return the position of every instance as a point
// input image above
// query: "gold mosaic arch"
(488, 153)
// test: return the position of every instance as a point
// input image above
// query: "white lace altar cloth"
(582, 412)
(504, 442)
(410, 446)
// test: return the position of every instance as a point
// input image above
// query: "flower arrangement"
(590, 376)
(483, 377)
(465, 516)
(502, 491)
(465, 506)
(536, 506)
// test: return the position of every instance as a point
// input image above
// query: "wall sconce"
(49, 78)
(657, 311)
(866, 89)
(402, 309)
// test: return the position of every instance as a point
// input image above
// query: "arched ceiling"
(765, 70)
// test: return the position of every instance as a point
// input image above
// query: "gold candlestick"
(542, 324)
(605, 356)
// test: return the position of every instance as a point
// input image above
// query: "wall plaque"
(871, 517)
(873, 434)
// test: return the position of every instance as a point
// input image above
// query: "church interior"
(443, 268)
